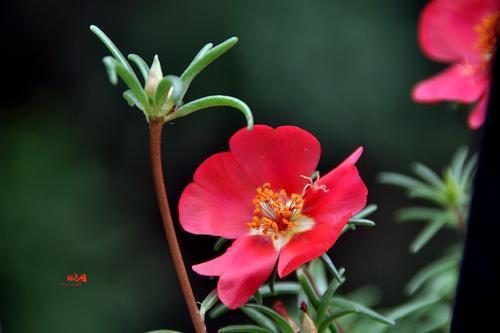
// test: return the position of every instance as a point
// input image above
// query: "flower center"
(488, 30)
(275, 213)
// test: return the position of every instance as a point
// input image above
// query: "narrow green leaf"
(280, 288)
(163, 331)
(368, 295)
(428, 272)
(132, 100)
(438, 323)
(362, 222)
(129, 97)
(428, 193)
(331, 267)
(202, 52)
(426, 234)
(258, 297)
(243, 329)
(418, 213)
(130, 80)
(109, 64)
(169, 88)
(259, 318)
(397, 179)
(458, 161)
(281, 322)
(220, 243)
(410, 308)
(326, 300)
(272, 280)
(141, 65)
(308, 288)
(208, 303)
(428, 175)
(218, 311)
(330, 319)
(347, 227)
(366, 211)
(317, 269)
(468, 172)
(360, 309)
(211, 101)
(204, 58)
(112, 48)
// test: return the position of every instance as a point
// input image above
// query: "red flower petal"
(447, 28)
(244, 267)
(462, 83)
(277, 156)
(309, 245)
(219, 201)
(345, 193)
(345, 196)
(478, 114)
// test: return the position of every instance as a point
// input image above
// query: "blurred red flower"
(260, 194)
(463, 33)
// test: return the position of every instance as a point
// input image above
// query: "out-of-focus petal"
(478, 114)
(447, 29)
(461, 83)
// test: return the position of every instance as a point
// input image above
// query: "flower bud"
(306, 324)
(154, 77)
(281, 309)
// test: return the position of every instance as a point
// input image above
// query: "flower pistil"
(278, 214)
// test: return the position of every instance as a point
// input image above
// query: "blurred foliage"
(449, 195)
(76, 190)
(432, 289)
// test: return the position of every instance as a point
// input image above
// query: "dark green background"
(76, 191)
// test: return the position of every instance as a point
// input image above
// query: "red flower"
(259, 194)
(463, 33)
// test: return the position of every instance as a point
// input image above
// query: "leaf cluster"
(448, 196)
(161, 97)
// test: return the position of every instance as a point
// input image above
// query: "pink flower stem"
(155, 134)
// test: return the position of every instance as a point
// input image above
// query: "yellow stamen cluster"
(275, 213)
(488, 30)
